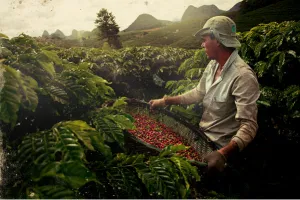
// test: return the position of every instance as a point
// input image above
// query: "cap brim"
(199, 34)
(229, 41)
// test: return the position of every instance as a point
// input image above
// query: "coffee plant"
(64, 124)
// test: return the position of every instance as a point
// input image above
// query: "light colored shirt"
(229, 103)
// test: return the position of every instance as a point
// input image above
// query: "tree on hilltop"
(108, 28)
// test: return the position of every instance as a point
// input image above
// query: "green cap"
(223, 28)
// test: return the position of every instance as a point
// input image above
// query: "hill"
(284, 10)
(146, 21)
(178, 34)
(75, 35)
(236, 7)
(58, 34)
(202, 12)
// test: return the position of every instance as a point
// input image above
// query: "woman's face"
(210, 45)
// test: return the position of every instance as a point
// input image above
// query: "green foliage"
(57, 156)
(167, 177)
(292, 96)
(110, 122)
(123, 178)
(4, 52)
(91, 139)
(18, 91)
(189, 113)
(84, 87)
(50, 191)
(199, 60)
(3, 35)
(34, 73)
(106, 46)
(192, 68)
(272, 50)
(170, 149)
(288, 9)
(138, 68)
(157, 177)
(186, 169)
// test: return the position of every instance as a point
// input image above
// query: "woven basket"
(191, 135)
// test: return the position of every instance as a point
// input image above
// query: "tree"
(108, 28)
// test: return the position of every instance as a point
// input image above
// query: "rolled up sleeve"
(246, 93)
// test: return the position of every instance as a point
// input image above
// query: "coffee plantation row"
(63, 141)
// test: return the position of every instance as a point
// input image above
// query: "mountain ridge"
(205, 11)
(146, 21)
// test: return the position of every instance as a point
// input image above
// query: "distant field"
(179, 34)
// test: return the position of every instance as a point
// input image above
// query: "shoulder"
(241, 68)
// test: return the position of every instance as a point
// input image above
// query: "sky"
(32, 17)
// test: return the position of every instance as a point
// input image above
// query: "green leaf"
(157, 177)
(120, 102)
(124, 181)
(130, 159)
(46, 64)
(73, 173)
(58, 144)
(194, 73)
(18, 90)
(293, 53)
(280, 65)
(50, 192)
(69, 146)
(52, 56)
(76, 174)
(48, 170)
(58, 94)
(109, 130)
(261, 68)
(258, 49)
(171, 149)
(83, 131)
(122, 121)
(99, 145)
(186, 169)
(265, 103)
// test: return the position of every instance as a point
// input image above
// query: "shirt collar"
(230, 60)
